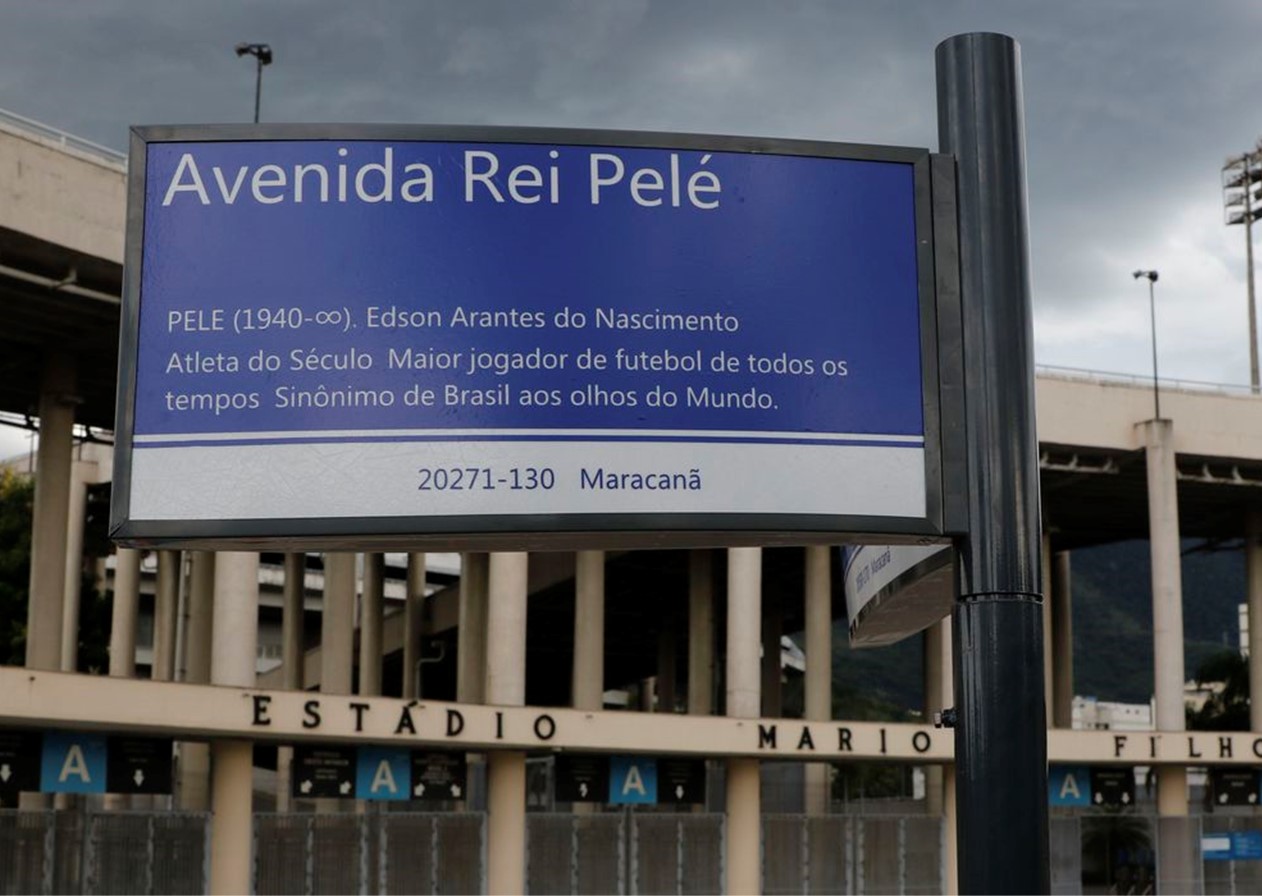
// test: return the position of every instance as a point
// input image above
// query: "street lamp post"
(263, 54)
(1151, 277)
(1240, 175)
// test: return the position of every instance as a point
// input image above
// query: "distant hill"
(1112, 597)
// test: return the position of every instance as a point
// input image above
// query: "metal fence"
(110, 852)
(1231, 876)
(627, 852)
(852, 854)
(376, 852)
(405, 852)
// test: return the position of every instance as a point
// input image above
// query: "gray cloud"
(1132, 105)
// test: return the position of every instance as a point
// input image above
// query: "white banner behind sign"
(893, 591)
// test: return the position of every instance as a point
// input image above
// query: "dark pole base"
(1000, 737)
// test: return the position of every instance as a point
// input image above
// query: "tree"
(869, 780)
(1226, 709)
(17, 506)
(17, 503)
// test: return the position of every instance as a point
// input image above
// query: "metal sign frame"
(940, 347)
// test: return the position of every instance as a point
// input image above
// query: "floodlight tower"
(1242, 204)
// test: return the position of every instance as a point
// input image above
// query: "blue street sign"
(383, 773)
(632, 780)
(1247, 844)
(1069, 785)
(554, 328)
(1232, 846)
(73, 763)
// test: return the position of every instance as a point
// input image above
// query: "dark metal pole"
(1151, 277)
(1248, 250)
(1001, 728)
(258, 87)
(1152, 311)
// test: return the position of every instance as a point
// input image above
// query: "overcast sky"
(1132, 107)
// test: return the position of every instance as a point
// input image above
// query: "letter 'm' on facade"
(766, 736)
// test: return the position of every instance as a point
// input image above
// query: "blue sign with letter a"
(1069, 785)
(72, 763)
(632, 779)
(382, 773)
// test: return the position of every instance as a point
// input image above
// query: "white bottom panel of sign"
(512, 477)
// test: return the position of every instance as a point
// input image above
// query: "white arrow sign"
(305, 786)
(455, 791)
(582, 789)
(345, 787)
(419, 789)
(679, 791)
(5, 772)
(139, 777)
(1126, 798)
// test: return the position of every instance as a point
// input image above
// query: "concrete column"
(587, 678)
(337, 637)
(165, 599)
(819, 666)
(413, 613)
(471, 636)
(772, 630)
(744, 826)
(700, 632)
(506, 686)
(370, 624)
(506, 822)
(744, 803)
(1167, 581)
(234, 650)
(292, 653)
(123, 613)
(337, 624)
(293, 616)
(471, 642)
(937, 656)
(234, 639)
(587, 687)
(232, 824)
(1174, 853)
(194, 789)
(201, 616)
(81, 473)
(1062, 641)
(52, 509)
(1253, 575)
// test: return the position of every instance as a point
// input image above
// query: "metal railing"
(14, 122)
(1143, 381)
